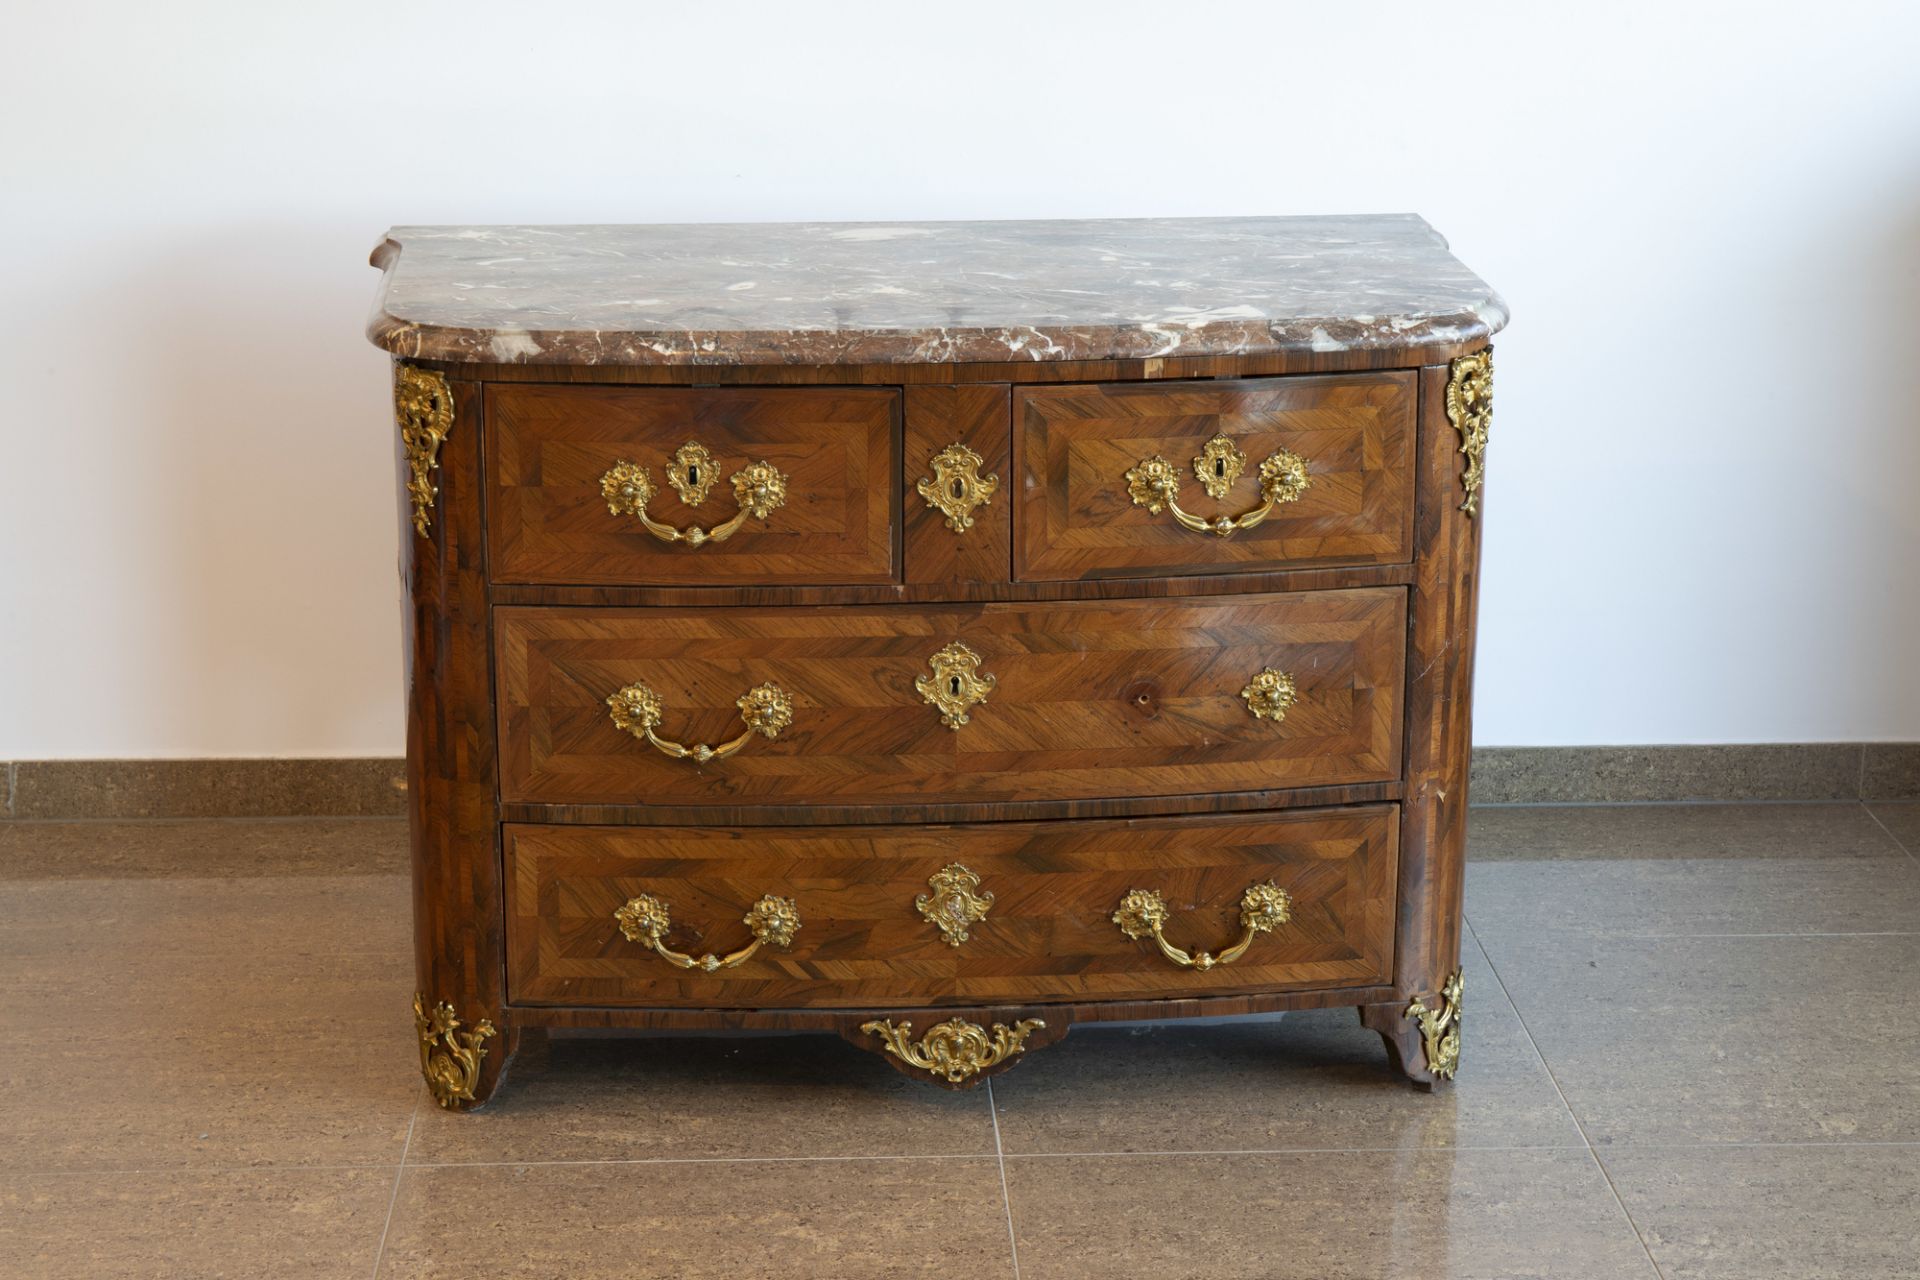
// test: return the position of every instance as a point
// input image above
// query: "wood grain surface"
(956, 589)
(978, 418)
(1030, 372)
(1073, 446)
(933, 810)
(451, 759)
(1444, 600)
(1093, 699)
(550, 445)
(1048, 935)
(1114, 746)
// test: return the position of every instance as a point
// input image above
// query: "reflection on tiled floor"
(1688, 1054)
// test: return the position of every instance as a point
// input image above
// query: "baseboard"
(228, 788)
(1715, 772)
(248, 788)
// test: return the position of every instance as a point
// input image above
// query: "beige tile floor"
(1690, 1052)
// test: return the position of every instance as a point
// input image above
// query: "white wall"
(1701, 520)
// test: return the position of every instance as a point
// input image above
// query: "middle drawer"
(969, 703)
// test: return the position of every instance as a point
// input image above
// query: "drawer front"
(1339, 450)
(831, 517)
(1036, 904)
(1081, 699)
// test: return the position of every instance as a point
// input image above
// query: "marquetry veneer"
(942, 683)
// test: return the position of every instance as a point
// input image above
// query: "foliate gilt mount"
(1440, 1028)
(956, 486)
(956, 685)
(955, 1050)
(956, 904)
(1470, 410)
(1270, 694)
(691, 471)
(423, 403)
(1218, 465)
(450, 1058)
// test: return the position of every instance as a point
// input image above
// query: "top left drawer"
(692, 485)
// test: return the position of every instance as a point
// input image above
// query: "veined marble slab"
(924, 292)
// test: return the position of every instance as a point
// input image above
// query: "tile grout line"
(1555, 1082)
(1006, 1198)
(1898, 843)
(275, 1169)
(393, 1198)
(653, 1160)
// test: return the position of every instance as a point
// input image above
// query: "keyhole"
(953, 685)
(959, 489)
(1220, 468)
(693, 474)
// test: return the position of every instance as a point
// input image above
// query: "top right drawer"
(1156, 479)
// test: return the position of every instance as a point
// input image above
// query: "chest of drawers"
(941, 633)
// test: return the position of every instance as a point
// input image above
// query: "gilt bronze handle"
(647, 919)
(1154, 483)
(758, 487)
(1143, 913)
(637, 709)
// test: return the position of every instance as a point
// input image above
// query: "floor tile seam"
(443, 1163)
(1541, 1058)
(186, 1170)
(1897, 841)
(1554, 1080)
(601, 1161)
(1606, 1176)
(393, 1196)
(1006, 1196)
(57, 1171)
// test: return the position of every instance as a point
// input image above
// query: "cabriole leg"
(1422, 1035)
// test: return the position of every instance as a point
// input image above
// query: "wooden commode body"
(937, 633)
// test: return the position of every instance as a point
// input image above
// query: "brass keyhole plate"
(690, 472)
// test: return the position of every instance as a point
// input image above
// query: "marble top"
(924, 292)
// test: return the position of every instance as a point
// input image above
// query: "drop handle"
(1263, 908)
(647, 919)
(637, 709)
(1154, 483)
(759, 488)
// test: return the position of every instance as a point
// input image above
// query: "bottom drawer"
(590, 911)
